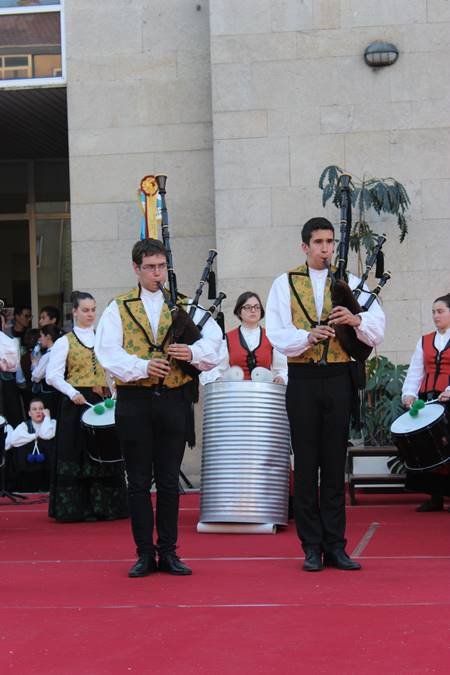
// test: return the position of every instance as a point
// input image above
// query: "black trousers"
(152, 433)
(318, 403)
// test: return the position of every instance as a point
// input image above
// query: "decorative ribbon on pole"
(150, 202)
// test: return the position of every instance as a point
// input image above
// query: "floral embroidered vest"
(138, 339)
(82, 367)
(304, 315)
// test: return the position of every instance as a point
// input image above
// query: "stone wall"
(139, 102)
(292, 94)
(242, 104)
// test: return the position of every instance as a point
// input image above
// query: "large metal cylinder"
(245, 460)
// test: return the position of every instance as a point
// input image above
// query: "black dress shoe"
(171, 564)
(340, 559)
(436, 503)
(313, 560)
(144, 565)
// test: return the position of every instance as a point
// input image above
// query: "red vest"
(437, 366)
(240, 356)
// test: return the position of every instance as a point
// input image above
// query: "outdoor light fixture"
(379, 54)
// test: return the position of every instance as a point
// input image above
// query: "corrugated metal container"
(245, 460)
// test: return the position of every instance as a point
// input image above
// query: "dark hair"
(19, 309)
(445, 299)
(242, 299)
(52, 312)
(315, 224)
(30, 338)
(36, 400)
(148, 247)
(76, 296)
(51, 331)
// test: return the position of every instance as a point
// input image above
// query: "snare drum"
(423, 441)
(101, 439)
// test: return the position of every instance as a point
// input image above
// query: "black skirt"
(81, 489)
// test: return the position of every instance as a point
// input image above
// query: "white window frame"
(4, 68)
(33, 82)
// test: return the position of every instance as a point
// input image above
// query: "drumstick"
(99, 408)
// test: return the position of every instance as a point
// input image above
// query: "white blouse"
(56, 366)
(38, 371)
(9, 353)
(416, 370)
(252, 337)
(21, 436)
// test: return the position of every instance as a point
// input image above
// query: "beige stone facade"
(243, 103)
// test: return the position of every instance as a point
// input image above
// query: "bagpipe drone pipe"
(183, 329)
(341, 293)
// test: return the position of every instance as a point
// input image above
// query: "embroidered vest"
(138, 339)
(304, 315)
(82, 367)
(436, 364)
(239, 355)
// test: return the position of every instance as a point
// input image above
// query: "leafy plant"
(383, 195)
(382, 403)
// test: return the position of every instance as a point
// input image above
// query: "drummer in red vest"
(248, 346)
(428, 378)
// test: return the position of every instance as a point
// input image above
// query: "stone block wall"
(139, 102)
(291, 93)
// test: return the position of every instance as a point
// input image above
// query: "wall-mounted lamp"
(379, 54)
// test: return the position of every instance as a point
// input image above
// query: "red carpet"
(68, 606)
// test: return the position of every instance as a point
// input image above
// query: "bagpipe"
(183, 329)
(341, 293)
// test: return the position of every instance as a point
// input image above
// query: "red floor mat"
(67, 606)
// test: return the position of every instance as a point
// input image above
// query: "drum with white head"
(101, 438)
(423, 439)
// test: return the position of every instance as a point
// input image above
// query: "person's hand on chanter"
(180, 352)
(158, 367)
(320, 333)
(343, 316)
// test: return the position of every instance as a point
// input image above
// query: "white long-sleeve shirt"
(293, 341)
(56, 366)
(129, 367)
(416, 370)
(252, 337)
(9, 354)
(9, 430)
(45, 430)
(38, 371)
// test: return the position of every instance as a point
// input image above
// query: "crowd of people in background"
(23, 390)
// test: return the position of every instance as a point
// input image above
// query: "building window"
(15, 67)
(31, 42)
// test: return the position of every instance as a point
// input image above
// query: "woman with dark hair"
(81, 490)
(247, 346)
(428, 378)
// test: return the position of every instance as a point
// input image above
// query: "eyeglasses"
(154, 268)
(251, 308)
